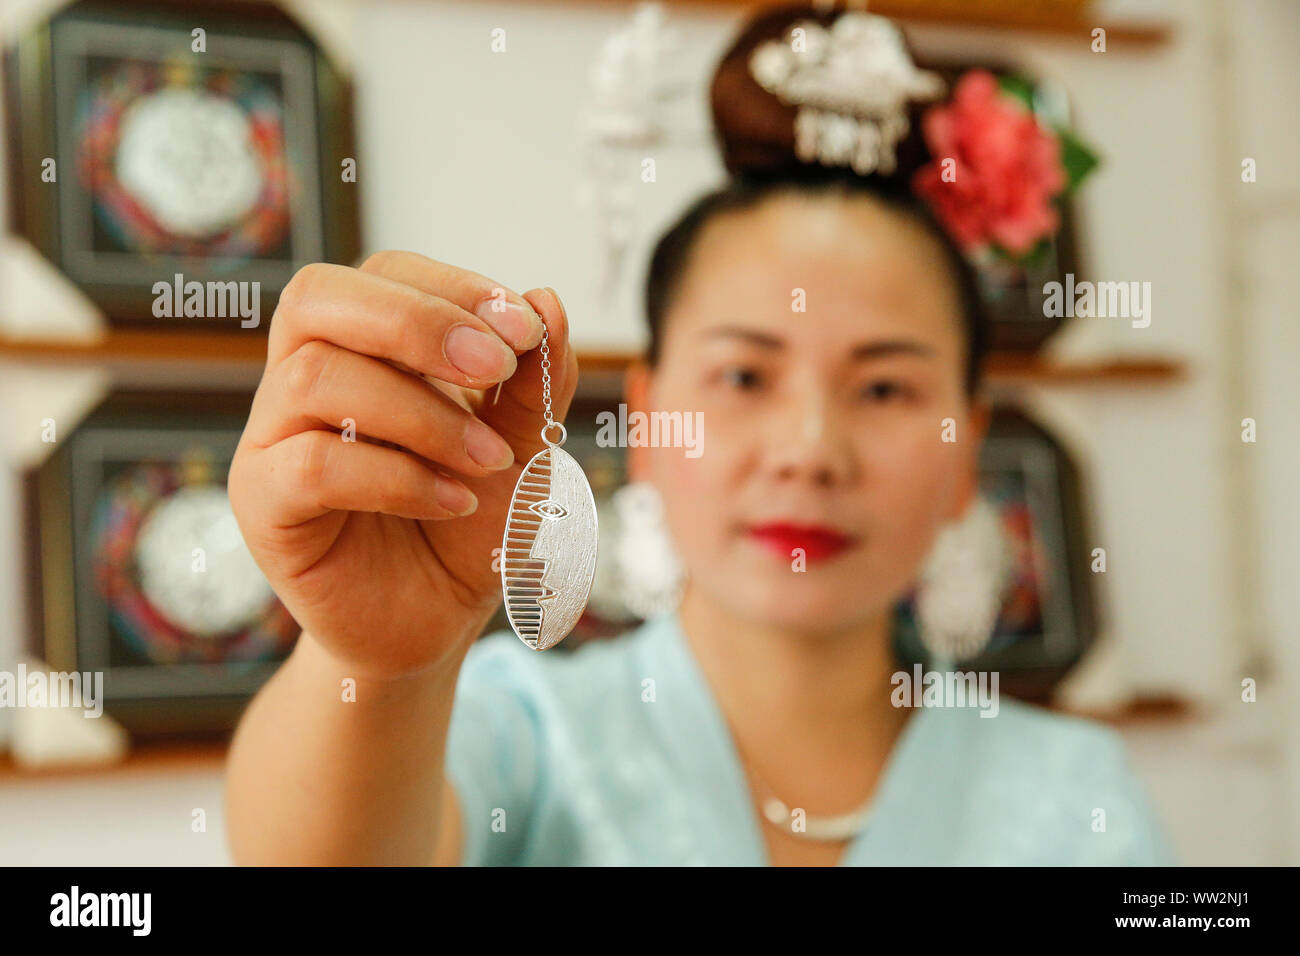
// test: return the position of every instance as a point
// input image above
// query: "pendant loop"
(564, 434)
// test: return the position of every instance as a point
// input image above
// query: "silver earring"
(963, 583)
(649, 570)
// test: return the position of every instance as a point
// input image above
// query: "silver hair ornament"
(851, 84)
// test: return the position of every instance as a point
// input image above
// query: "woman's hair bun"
(802, 88)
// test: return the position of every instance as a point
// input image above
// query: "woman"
(825, 328)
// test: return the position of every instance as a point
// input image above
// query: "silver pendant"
(548, 553)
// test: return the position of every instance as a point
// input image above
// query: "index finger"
(387, 319)
(509, 313)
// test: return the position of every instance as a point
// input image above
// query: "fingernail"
(559, 300)
(517, 323)
(487, 448)
(479, 354)
(457, 499)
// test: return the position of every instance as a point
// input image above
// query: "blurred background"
(1146, 474)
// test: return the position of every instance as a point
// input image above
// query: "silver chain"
(546, 378)
(546, 397)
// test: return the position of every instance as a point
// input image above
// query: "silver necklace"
(548, 553)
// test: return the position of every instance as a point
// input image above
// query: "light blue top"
(616, 753)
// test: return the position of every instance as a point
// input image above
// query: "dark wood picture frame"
(1020, 453)
(70, 623)
(39, 127)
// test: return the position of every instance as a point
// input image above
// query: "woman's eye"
(885, 391)
(742, 378)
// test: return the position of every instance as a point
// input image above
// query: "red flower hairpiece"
(996, 170)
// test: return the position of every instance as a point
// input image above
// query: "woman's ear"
(968, 486)
(636, 393)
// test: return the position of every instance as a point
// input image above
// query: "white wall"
(1262, 38)
(131, 819)
(466, 157)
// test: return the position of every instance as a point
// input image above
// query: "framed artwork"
(142, 572)
(180, 143)
(1013, 294)
(1048, 616)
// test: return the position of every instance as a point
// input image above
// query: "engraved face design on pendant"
(549, 552)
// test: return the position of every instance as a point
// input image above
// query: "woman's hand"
(382, 547)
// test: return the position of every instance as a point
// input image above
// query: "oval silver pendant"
(548, 555)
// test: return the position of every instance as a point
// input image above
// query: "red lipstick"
(817, 541)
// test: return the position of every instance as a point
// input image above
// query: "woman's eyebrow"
(751, 335)
(866, 350)
(870, 350)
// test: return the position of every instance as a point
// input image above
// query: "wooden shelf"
(1143, 712)
(146, 344)
(206, 347)
(1003, 368)
(1039, 370)
(186, 756)
(1061, 20)
(210, 755)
